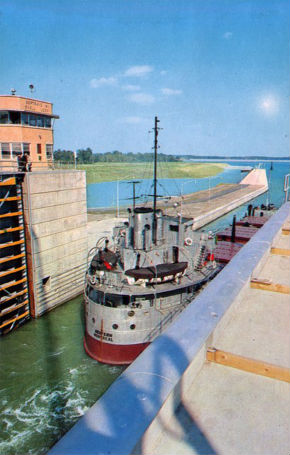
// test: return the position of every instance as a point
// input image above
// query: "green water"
(47, 381)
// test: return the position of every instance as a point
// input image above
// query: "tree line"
(86, 156)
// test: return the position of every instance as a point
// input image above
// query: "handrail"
(15, 166)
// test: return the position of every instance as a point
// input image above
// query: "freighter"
(139, 282)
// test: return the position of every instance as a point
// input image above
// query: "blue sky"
(216, 72)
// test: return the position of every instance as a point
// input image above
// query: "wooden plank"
(6, 245)
(14, 319)
(286, 231)
(16, 294)
(267, 285)
(12, 258)
(9, 272)
(14, 308)
(12, 198)
(8, 182)
(248, 364)
(280, 251)
(6, 215)
(17, 228)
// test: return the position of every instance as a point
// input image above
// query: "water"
(105, 194)
(47, 381)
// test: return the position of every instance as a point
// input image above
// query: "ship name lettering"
(104, 335)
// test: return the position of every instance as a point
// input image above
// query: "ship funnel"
(143, 225)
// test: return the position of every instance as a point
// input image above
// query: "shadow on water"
(53, 369)
(128, 407)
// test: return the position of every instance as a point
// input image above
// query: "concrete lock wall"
(55, 217)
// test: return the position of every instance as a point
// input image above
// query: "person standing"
(27, 162)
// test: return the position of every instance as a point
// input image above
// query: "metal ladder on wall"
(14, 295)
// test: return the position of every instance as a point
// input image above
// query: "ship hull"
(113, 354)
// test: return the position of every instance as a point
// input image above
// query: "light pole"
(181, 196)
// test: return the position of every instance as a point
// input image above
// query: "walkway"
(231, 410)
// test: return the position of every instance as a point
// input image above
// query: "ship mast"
(155, 129)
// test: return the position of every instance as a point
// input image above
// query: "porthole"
(131, 313)
(115, 326)
(93, 319)
(132, 326)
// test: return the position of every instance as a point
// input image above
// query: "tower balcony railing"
(14, 166)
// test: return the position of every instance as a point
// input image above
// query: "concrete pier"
(208, 205)
(180, 396)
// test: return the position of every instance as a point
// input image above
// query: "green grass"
(107, 172)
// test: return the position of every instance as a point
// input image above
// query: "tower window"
(26, 147)
(47, 122)
(24, 119)
(5, 150)
(4, 117)
(40, 121)
(16, 149)
(49, 151)
(15, 117)
(32, 120)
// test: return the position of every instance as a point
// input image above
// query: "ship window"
(132, 326)
(115, 326)
(113, 300)
(95, 295)
(131, 313)
(15, 117)
(4, 118)
(173, 227)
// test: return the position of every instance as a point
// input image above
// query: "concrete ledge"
(44, 182)
(130, 412)
(226, 208)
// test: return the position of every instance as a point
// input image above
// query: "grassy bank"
(107, 172)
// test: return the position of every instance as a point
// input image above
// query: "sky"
(215, 72)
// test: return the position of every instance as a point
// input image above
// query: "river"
(47, 381)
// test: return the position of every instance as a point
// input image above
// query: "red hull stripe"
(114, 354)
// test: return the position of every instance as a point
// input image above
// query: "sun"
(269, 105)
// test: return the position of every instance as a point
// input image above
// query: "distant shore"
(109, 172)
